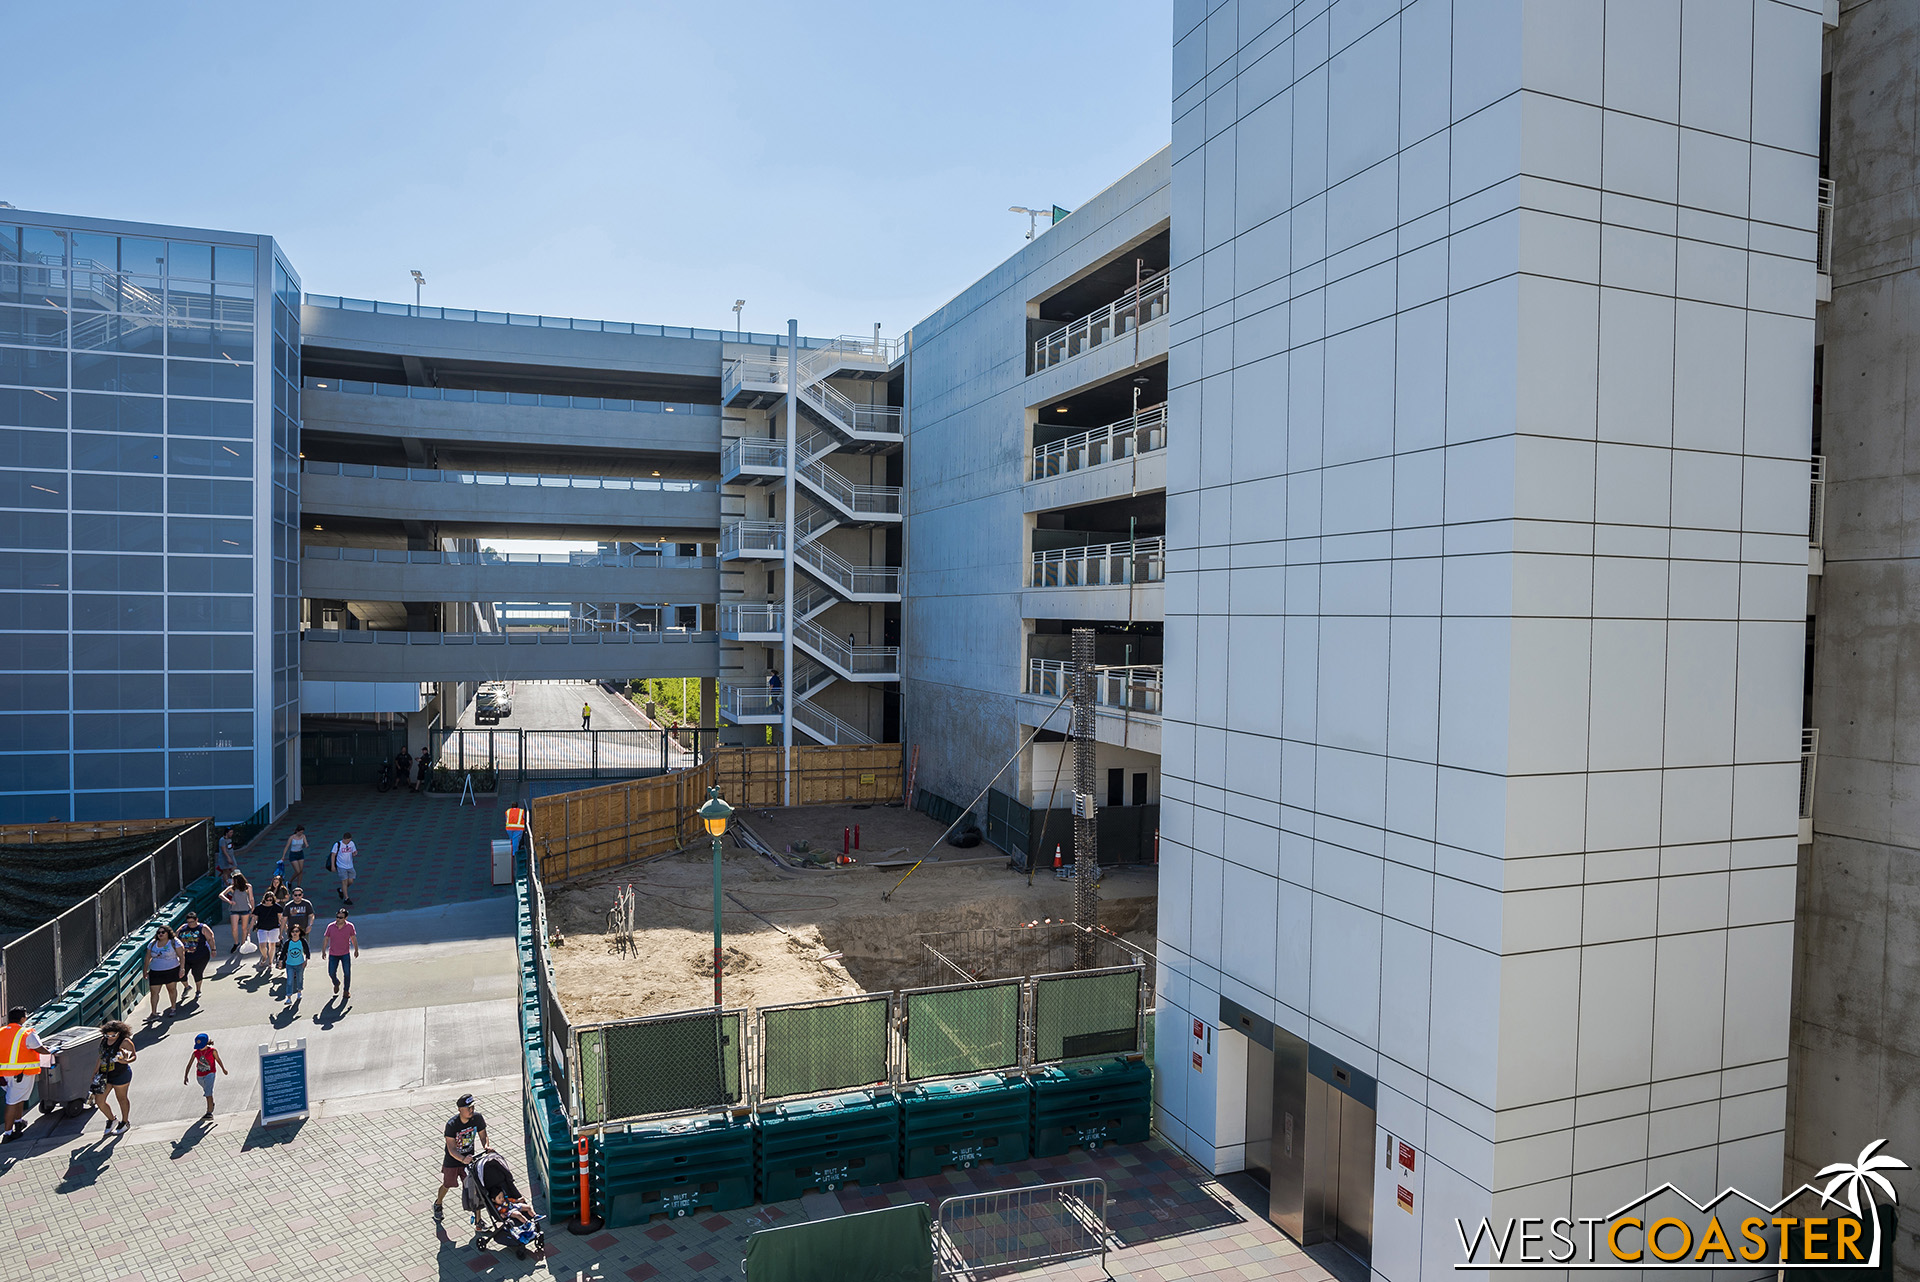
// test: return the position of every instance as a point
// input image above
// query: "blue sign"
(283, 1081)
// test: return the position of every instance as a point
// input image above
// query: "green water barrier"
(824, 1144)
(963, 1123)
(673, 1168)
(1091, 1105)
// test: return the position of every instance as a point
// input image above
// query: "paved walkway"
(416, 851)
(347, 1196)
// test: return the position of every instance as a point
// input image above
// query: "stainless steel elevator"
(1312, 1136)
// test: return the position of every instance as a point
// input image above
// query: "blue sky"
(840, 163)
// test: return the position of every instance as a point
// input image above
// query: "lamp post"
(713, 816)
(738, 303)
(418, 281)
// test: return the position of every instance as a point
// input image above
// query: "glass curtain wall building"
(149, 434)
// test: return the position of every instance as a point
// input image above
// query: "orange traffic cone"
(1056, 857)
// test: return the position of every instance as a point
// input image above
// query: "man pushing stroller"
(500, 1211)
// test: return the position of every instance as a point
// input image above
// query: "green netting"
(593, 1078)
(823, 1048)
(1096, 1014)
(890, 1245)
(673, 1064)
(963, 1030)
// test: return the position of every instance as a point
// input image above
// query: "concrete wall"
(1492, 339)
(461, 657)
(1856, 1035)
(529, 345)
(356, 580)
(967, 462)
(527, 511)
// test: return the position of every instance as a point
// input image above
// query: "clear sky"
(838, 163)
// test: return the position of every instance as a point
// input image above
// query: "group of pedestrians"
(280, 926)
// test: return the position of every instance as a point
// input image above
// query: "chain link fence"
(661, 1064)
(1091, 1013)
(962, 1028)
(809, 1047)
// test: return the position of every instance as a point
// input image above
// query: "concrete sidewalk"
(434, 999)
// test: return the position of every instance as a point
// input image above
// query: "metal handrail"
(824, 726)
(851, 417)
(855, 498)
(864, 349)
(859, 580)
(1145, 302)
(875, 660)
(607, 560)
(1101, 565)
(539, 400)
(1823, 229)
(738, 701)
(1817, 503)
(537, 480)
(753, 536)
(749, 452)
(1135, 689)
(749, 616)
(393, 636)
(811, 597)
(1139, 434)
(334, 302)
(1809, 768)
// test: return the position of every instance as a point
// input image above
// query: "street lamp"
(418, 281)
(1033, 216)
(738, 303)
(713, 817)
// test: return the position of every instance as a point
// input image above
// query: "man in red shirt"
(343, 945)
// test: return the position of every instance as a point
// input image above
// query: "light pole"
(713, 816)
(418, 281)
(738, 303)
(1033, 216)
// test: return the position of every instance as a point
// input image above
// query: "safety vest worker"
(516, 819)
(22, 1047)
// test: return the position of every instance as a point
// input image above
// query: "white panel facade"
(1493, 332)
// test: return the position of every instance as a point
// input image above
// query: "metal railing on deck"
(876, 660)
(751, 616)
(1817, 503)
(1101, 565)
(826, 727)
(980, 1235)
(1139, 434)
(753, 536)
(608, 560)
(738, 701)
(528, 480)
(1146, 302)
(1135, 689)
(541, 400)
(857, 580)
(335, 302)
(1823, 230)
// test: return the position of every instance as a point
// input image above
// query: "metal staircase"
(830, 421)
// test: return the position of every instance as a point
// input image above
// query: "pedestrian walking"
(586, 716)
(298, 911)
(266, 933)
(773, 686)
(420, 769)
(224, 859)
(295, 855)
(278, 886)
(19, 1067)
(402, 767)
(238, 897)
(466, 1135)
(343, 945)
(196, 937)
(340, 862)
(116, 1073)
(201, 1063)
(296, 966)
(166, 962)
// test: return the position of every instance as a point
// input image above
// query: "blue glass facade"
(149, 421)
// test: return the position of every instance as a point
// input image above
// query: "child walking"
(201, 1064)
(296, 967)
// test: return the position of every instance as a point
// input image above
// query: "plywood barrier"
(61, 833)
(597, 829)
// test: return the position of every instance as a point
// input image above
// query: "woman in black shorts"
(197, 938)
(116, 1071)
(266, 933)
(165, 963)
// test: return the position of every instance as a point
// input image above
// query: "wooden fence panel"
(598, 829)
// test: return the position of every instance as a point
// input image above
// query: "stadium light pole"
(713, 816)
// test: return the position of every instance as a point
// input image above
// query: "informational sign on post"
(283, 1081)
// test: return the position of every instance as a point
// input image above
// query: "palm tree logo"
(1862, 1176)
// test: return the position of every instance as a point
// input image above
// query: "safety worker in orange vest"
(21, 1047)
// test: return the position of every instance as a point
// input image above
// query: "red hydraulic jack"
(588, 1221)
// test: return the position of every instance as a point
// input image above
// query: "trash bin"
(502, 862)
(68, 1080)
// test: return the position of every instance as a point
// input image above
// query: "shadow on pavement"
(200, 1129)
(84, 1165)
(259, 1136)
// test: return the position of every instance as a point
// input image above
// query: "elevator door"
(1349, 1173)
(1259, 1112)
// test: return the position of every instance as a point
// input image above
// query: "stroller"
(488, 1177)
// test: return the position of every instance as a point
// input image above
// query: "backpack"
(331, 854)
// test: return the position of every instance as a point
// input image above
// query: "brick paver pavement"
(415, 851)
(347, 1197)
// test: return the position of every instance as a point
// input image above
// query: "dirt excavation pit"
(801, 934)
